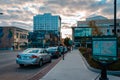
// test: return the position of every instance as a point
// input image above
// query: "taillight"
(18, 56)
(34, 56)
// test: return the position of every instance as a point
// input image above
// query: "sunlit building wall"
(13, 38)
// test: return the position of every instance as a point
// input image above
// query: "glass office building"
(47, 22)
(47, 29)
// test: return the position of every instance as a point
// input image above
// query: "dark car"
(54, 51)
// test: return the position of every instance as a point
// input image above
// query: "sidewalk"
(73, 68)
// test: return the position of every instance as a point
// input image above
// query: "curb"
(116, 73)
(45, 70)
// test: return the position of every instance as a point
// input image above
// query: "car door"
(46, 55)
(43, 56)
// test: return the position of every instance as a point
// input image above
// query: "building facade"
(96, 26)
(81, 35)
(13, 38)
(46, 29)
(47, 22)
(105, 26)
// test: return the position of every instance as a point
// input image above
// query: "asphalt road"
(9, 70)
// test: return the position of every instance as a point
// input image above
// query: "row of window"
(118, 30)
(50, 24)
(21, 36)
(45, 25)
(40, 28)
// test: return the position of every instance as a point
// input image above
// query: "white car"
(33, 56)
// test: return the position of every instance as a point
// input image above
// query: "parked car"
(33, 56)
(54, 51)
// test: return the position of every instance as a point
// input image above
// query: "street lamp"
(99, 52)
(115, 1)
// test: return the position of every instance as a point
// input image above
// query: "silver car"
(33, 56)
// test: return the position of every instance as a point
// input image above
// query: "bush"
(87, 53)
(83, 49)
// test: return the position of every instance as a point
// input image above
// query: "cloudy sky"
(20, 12)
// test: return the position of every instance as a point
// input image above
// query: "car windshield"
(26, 51)
(52, 49)
(31, 51)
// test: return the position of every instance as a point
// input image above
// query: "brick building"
(13, 38)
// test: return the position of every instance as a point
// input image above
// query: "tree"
(68, 41)
(95, 29)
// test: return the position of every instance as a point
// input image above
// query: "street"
(9, 70)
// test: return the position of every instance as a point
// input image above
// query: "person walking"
(61, 50)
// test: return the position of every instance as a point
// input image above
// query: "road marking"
(8, 64)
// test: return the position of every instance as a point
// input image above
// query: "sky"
(20, 13)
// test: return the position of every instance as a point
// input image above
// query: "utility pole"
(115, 1)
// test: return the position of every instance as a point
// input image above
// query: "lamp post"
(115, 1)
(104, 65)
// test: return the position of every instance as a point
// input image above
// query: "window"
(112, 30)
(108, 30)
(118, 30)
(17, 35)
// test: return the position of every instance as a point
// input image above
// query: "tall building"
(47, 22)
(46, 29)
(13, 38)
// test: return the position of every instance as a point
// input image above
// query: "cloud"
(22, 11)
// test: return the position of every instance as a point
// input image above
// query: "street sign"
(104, 48)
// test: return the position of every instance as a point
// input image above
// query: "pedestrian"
(61, 50)
(71, 48)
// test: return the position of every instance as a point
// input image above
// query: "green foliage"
(67, 41)
(82, 50)
(87, 53)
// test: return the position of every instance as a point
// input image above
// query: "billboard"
(104, 48)
(82, 32)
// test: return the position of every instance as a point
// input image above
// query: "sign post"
(104, 51)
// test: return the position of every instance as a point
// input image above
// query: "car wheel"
(40, 63)
(21, 65)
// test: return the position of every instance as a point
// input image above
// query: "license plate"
(25, 57)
